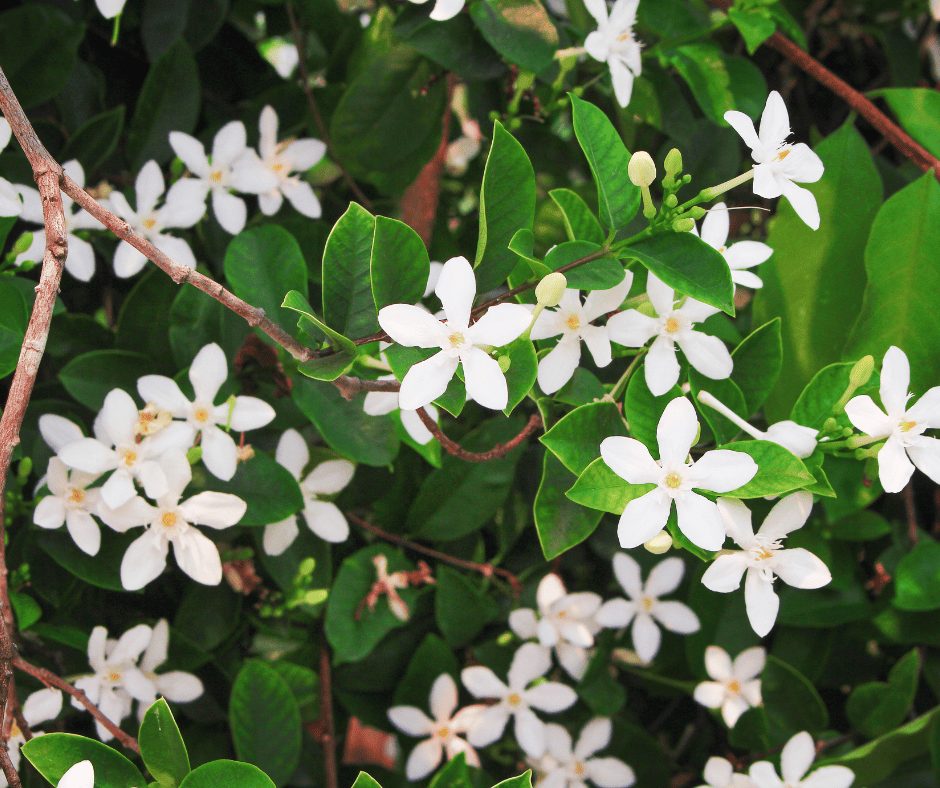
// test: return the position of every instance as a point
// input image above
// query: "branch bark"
(499, 450)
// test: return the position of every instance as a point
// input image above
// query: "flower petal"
(801, 569)
(926, 456)
(81, 775)
(229, 143)
(661, 367)
(700, 521)
(868, 417)
(725, 573)
(411, 326)
(292, 452)
(144, 560)
(665, 577)
(179, 686)
(490, 723)
(573, 659)
(192, 153)
(894, 467)
(718, 664)
(630, 460)
(557, 368)
(127, 260)
(721, 471)
(84, 531)
(600, 302)
(528, 663)
(279, 536)
(789, 514)
(676, 617)
(58, 431)
(616, 613)
(646, 637)
(631, 328)
(749, 663)
(214, 509)
(219, 454)
(326, 521)
(710, 694)
(761, 602)
(427, 380)
(456, 288)
(443, 697)
(802, 200)
(148, 187)
(482, 683)
(523, 622)
(643, 518)
(530, 732)
(742, 124)
(410, 720)
(230, 211)
(424, 758)
(198, 557)
(706, 353)
(329, 477)
(303, 199)
(500, 325)
(485, 381)
(610, 773)
(595, 736)
(208, 372)
(829, 777)
(164, 393)
(676, 431)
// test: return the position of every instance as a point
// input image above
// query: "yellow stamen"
(673, 480)
(672, 325)
(456, 339)
(907, 426)
(169, 519)
(733, 686)
(77, 495)
(579, 768)
(514, 700)
(129, 457)
(149, 223)
(573, 323)
(216, 176)
(114, 676)
(201, 415)
(783, 154)
(277, 167)
(647, 602)
(763, 554)
(444, 732)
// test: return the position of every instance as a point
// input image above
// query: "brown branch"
(349, 387)
(300, 43)
(50, 679)
(6, 679)
(487, 570)
(499, 450)
(328, 735)
(899, 138)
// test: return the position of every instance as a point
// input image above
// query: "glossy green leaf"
(452, 43)
(365, 781)
(779, 470)
(90, 376)
(270, 490)
(757, 363)
(520, 377)
(197, 21)
(95, 140)
(580, 222)
(860, 527)
(25, 608)
(617, 198)
(507, 205)
(687, 264)
(399, 265)
(725, 391)
(454, 774)
(703, 68)
(823, 607)
(598, 487)
(816, 403)
(917, 578)
(575, 439)
(643, 411)
(522, 781)
(348, 303)
(791, 702)
(898, 307)
(144, 319)
(813, 280)
(312, 324)
(755, 25)
(600, 274)
(101, 570)
(195, 321)
(162, 747)
(748, 86)
(520, 30)
(13, 320)
(560, 523)
(522, 244)
(224, 774)
(599, 687)
(461, 607)
(55, 753)
(917, 109)
(876, 707)
(265, 721)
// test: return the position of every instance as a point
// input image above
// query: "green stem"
(713, 191)
(854, 442)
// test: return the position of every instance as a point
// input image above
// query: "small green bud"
(830, 425)
(673, 163)
(659, 544)
(861, 372)
(847, 431)
(194, 455)
(549, 291)
(672, 201)
(25, 467)
(696, 212)
(22, 244)
(504, 363)
(683, 225)
(686, 178)
(306, 567)
(26, 265)
(641, 169)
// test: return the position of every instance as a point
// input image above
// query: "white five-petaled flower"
(207, 373)
(117, 679)
(764, 559)
(736, 686)
(185, 205)
(328, 478)
(777, 163)
(572, 320)
(903, 426)
(740, 255)
(672, 326)
(70, 503)
(563, 622)
(565, 767)
(719, 471)
(176, 685)
(80, 262)
(719, 773)
(645, 607)
(110, 8)
(443, 729)
(218, 176)
(797, 756)
(613, 42)
(531, 661)
(459, 341)
(172, 522)
(444, 9)
(40, 706)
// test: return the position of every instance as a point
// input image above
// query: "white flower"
(81, 774)
(218, 176)
(282, 55)
(378, 403)
(613, 42)
(563, 622)
(795, 760)
(177, 685)
(278, 161)
(573, 321)
(777, 163)
(735, 687)
(763, 557)
(434, 274)
(80, 262)
(444, 9)
(673, 326)
(719, 773)
(328, 478)
(40, 706)
(459, 341)
(116, 680)
(902, 426)
(129, 459)
(564, 767)
(72, 504)
(743, 254)
(185, 205)
(207, 373)
(530, 662)
(58, 431)
(645, 606)
(171, 522)
(719, 471)
(110, 8)
(443, 729)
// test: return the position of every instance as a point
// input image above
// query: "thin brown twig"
(6, 678)
(328, 736)
(899, 138)
(487, 570)
(300, 43)
(50, 679)
(499, 450)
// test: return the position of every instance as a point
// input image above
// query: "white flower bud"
(659, 544)
(641, 169)
(549, 291)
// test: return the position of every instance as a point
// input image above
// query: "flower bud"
(549, 291)
(830, 425)
(641, 169)
(504, 363)
(194, 455)
(673, 163)
(22, 243)
(671, 201)
(683, 225)
(659, 544)
(696, 212)
(861, 372)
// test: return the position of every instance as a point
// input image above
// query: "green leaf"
(400, 266)
(643, 411)
(600, 274)
(703, 68)
(454, 774)
(876, 707)
(95, 140)
(461, 497)
(507, 204)
(453, 43)
(101, 570)
(169, 101)
(561, 524)
(748, 85)
(196, 320)
(725, 391)
(617, 198)
(461, 608)
(311, 324)
(917, 110)
(431, 658)
(791, 702)
(144, 319)
(823, 607)
(14, 318)
(757, 363)
(327, 368)
(779, 470)
(520, 30)
(55, 753)
(755, 25)
(262, 264)
(225, 774)
(26, 609)
(522, 781)
(813, 279)
(270, 490)
(917, 578)
(902, 273)
(370, 440)
(265, 721)
(580, 222)
(348, 303)
(522, 372)
(163, 21)
(162, 747)
(522, 244)
(863, 526)
(599, 689)
(576, 438)
(304, 684)
(353, 637)
(90, 376)
(598, 487)
(688, 265)
(38, 47)
(825, 389)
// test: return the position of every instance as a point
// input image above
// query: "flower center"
(514, 700)
(648, 602)
(672, 325)
(733, 686)
(762, 554)
(456, 339)
(444, 732)
(573, 323)
(129, 457)
(201, 415)
(673, 480)
(216, 176)
(169, 520)
(722, 250)
(77, 496)
(151, 420)
(907, 426)
(579, 768)
(114, 676)
(149, 223)
(277, 167)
